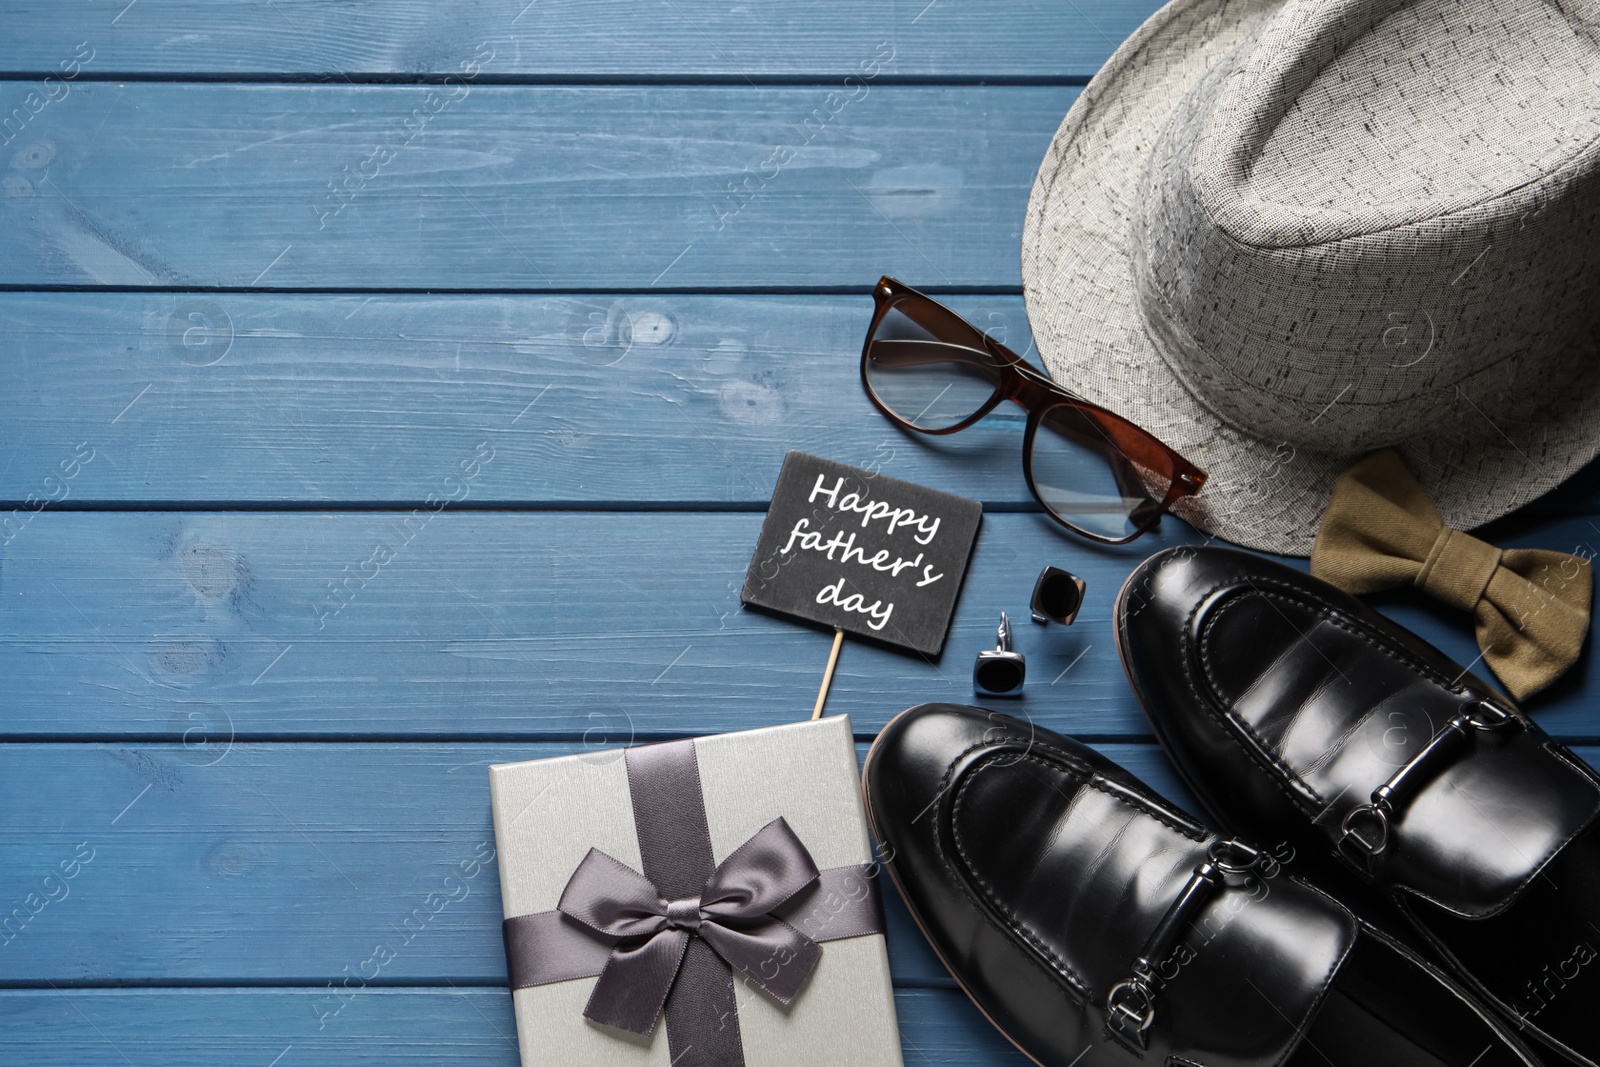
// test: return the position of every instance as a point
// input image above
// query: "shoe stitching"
(1097, 780)
(1334, 616)
(1258, 754)
(1016, 926)
(1013, 927)
(1565, 754)
(1205, 705)
(1586, 773)
(1074, 982)
(1353, 926)
(1522, 886)
(1091, 779)
(1328, 615)
(1263, 750)
(1379, 642)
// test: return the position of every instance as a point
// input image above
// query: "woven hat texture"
(1280, 234)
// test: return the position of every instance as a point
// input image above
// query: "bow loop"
(733, 914)
(1531, 606)
(759, 875)
(612, 898)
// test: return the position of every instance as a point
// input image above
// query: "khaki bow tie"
(1380, 531)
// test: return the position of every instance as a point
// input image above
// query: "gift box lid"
(549, 813)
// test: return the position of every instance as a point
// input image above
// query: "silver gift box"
(549, 813)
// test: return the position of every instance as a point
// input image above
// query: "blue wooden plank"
(488, 187)
(286, 864)
(328, 848)
(485, 624)
(270, 397)
(620, 39)
(383, 1028)
(501, 624)
(227, 398)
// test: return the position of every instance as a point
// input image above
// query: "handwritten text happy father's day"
(859, 551)
(926, 529)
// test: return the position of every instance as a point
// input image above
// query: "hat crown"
(1380, 218)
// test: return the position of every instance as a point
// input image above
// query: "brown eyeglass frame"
(1037, 395)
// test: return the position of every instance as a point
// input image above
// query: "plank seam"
(347, 739)
(663, 290)
(606, 80)
(46, 985)
(399, 507)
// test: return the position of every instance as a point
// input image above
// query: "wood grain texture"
(438, 1028)
(563, 38)
(490, 187)
(551, 279)
(275, 398)
(260, 398)
(484, 624)
(330, 849)
(538, 626)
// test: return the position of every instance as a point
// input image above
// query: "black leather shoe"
(1297, 714)
(1095, 924)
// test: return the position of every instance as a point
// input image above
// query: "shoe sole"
(866, 801)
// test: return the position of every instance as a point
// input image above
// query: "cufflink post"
(1000, 673)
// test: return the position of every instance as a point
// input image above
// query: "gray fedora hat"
(1280, 234)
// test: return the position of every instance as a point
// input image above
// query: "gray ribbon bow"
(732, 914)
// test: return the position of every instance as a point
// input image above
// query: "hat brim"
(1077, 273)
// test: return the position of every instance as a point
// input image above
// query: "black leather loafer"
(1298, 714)
(1095, 924)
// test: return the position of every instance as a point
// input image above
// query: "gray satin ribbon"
(672, 937)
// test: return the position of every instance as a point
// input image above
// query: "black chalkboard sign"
(862, 552)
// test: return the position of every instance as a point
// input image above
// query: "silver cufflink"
(1000, 673)
(1057, 596)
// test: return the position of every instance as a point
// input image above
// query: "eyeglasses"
(1094, 472)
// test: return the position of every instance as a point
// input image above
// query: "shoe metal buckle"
(1235, 860)
(1131, 1004)
(1490, 717)
(1365, 831)
(1131, 1010)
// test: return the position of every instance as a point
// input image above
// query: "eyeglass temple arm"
(913, 353)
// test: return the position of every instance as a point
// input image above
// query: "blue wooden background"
(534, 296)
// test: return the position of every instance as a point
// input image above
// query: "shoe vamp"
(1081, 872)
(1339, 708)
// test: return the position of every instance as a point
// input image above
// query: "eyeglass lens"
(933, 371)
(1081, 475)
(929, 382)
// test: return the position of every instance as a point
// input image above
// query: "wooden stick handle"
(827, 675)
